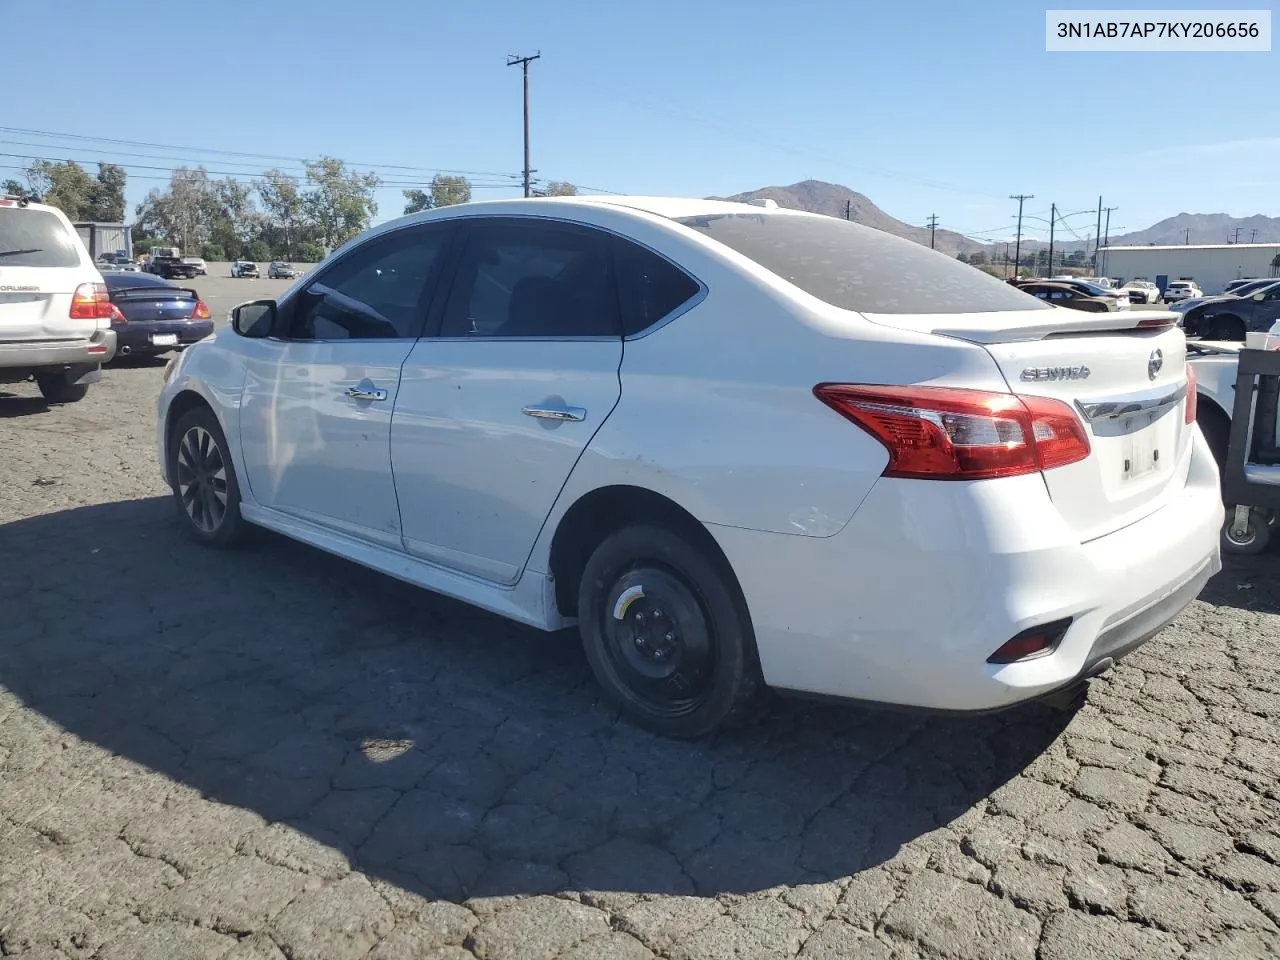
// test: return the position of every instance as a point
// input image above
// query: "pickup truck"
(172, 268)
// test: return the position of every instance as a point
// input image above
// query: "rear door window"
(35, 238)
(855, 267)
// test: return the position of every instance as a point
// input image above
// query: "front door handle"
(363, 393)
(555, 413)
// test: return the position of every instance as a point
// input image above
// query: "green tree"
(448, 190)
(339, 202)
(15, 188)
(282, 204)
(105, 202)
(558, 188)
(415, 201)
(66, 186)
(311, 252)
(978, 258)
(962, 257)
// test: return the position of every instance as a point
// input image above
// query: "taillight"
(91, 301)
(1191, 404)
(949, 433)
(1156, 323)
(117, 316)
(201, 311)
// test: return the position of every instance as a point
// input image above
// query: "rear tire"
(203, 476)
(60, 388)
(1228, 328)
(667, 634)
(1256, 538)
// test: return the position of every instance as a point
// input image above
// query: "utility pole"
(1236, 238)
(1053, 218)
(1017, 246)
(848, 209)
(1006, 256)
(1253, 236)
(1106, 240)
(1097, 236)
(933, 225)
(524, 66)
(1187, 243)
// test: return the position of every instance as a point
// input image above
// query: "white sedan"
(739, 447)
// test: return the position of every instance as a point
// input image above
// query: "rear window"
(859, 268)
(35, 238)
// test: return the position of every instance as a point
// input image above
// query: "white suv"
(55, 313)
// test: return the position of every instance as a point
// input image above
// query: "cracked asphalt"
(274, 753)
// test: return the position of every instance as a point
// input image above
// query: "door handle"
(359, 393)
(555, 413)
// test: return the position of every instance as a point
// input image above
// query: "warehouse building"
(1210, 265)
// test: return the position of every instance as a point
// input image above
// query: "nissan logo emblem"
(1154, 363)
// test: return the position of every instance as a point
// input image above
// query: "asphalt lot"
(274, 753)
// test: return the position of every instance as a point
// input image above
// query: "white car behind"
(55, 314)
(727, 442)
(1177, 290)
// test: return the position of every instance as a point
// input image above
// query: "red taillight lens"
(1156, 323)
(117, 316)
(91, 302)
(948, 433)
(1191, 405)
(201, 311)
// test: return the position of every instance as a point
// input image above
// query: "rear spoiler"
(145, 292)
(1063, 326)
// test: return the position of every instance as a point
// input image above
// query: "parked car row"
(1074, 294)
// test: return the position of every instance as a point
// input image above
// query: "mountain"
(816, 196)
(1206, 228)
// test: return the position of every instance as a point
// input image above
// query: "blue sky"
(926, 107)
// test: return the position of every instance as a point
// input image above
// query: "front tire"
(205, 489)
(667, 634)
(60, 388)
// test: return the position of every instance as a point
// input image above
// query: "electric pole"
(1253, 236)
(524, 66)
(1106, 239)
(933, 225)
(1017, 246)
(848, 209)
(1053, 218)
(1188, 241)
(1097, 236)
(1236, 238)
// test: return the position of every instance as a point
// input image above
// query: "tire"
(59, 388)
(197, 440)
(1228, 328)
(681, 672)
(1256, 538)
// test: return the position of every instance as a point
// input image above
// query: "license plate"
(164, 339)
(1140, 450)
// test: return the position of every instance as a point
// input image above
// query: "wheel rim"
(202, 479)
(659, 641)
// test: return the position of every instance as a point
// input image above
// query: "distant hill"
(1206, 228)
(817, 196)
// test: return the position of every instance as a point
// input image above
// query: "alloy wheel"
(202, 479)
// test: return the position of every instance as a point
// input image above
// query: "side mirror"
(255, 319)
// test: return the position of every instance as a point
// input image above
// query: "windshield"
(855, 267)
(35, 238)
(1092, 289)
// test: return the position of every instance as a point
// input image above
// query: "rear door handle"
(555, 413)
(359, 393)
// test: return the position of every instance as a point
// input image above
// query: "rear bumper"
(928, 579)
(135, 338)
(91, 352)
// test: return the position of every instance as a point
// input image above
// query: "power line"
(524, 68)
(22, 131)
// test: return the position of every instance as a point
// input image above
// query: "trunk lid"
(41, 265)
(150, 304)
(1126, 382)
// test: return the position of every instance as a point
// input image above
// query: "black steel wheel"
(204, 480)
(666, 632)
